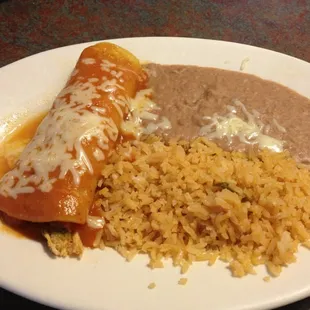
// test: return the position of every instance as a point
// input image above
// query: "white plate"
(102, 279)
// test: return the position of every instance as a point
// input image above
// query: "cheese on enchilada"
(56, 175)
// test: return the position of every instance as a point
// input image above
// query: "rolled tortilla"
(56, 175)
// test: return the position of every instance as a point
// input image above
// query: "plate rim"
(156, 37)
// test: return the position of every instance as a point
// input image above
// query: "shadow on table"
(11, 301)
(299, 305)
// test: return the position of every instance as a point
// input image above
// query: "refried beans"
(187, 94)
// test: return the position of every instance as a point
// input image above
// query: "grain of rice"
(152, 285)
(306, 244)
(182, 281)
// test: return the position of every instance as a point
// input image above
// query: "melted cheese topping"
(95, 222)
(58, 145)
(88, 61)
(164, 124)
(142, 108)
(59, 141)
(248, 132)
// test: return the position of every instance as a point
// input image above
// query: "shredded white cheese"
(107, 65)
(164, 124)
(93, 80)
(248, 131)
(88, 61)
(141, 109)
(58, 145)
(95, 222)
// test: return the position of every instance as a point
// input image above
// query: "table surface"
(28, 27)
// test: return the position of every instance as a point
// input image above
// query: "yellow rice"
(182, 281)
(192, 201)
(151, 285)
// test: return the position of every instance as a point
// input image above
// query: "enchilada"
(55, 178)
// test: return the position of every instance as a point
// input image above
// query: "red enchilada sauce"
(88, 234)
(33, 231)
(17, 228)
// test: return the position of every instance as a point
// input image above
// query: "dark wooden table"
(28, 27)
